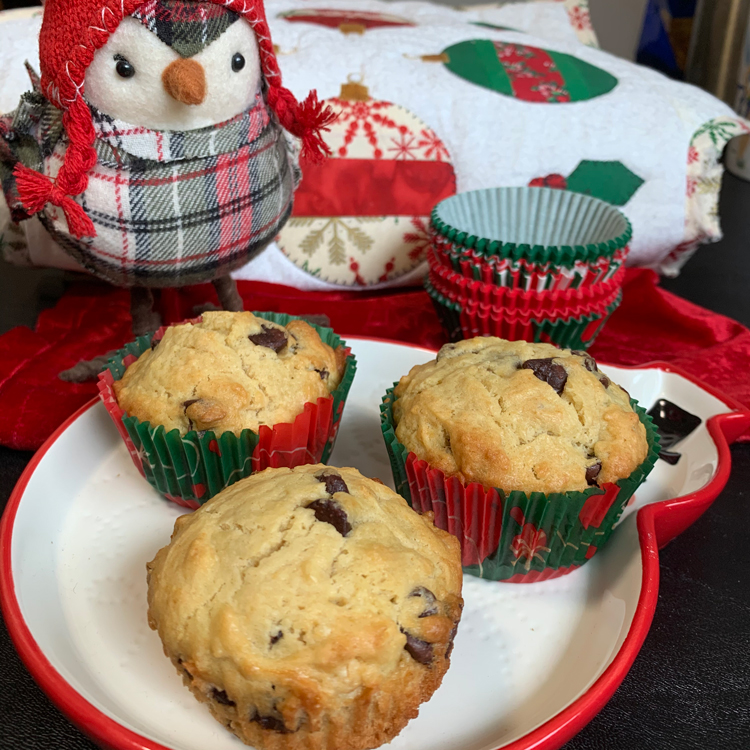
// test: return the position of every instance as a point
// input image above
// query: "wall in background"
(618, 24)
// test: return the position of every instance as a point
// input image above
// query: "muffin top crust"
(296, 591)
(519, 416)
(230, 372)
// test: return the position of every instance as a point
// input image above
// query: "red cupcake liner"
(531, 303)
(523, 274)
(539, 306)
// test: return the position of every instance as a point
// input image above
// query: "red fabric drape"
(91, 319)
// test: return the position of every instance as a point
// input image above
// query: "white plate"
(531, 662)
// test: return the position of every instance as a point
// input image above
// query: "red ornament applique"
(361, 217)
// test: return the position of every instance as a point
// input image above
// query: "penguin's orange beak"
(185, 81)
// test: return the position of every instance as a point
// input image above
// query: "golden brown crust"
(212, 376)
(519, 416)
(307, 616)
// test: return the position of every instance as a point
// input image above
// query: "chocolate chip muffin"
(308, 608)
(519, 416)
(229, 372)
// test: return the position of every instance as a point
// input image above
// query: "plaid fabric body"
(170, 209)
(187, 27)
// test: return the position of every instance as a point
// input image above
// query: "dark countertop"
(689, 687)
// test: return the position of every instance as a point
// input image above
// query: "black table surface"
(690, 685)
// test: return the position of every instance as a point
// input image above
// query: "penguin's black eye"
(124, 68)
(238, 62)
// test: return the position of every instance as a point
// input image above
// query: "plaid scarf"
(170, 209)
(187, 27)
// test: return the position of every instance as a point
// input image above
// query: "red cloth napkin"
(91, 319)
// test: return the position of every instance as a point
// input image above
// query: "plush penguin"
(153, 149)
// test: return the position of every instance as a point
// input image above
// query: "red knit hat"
(72, 32)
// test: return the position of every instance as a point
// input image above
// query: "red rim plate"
(657, 524)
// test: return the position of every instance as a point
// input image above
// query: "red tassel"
(37, 190)
(34, 188)
(305, 121)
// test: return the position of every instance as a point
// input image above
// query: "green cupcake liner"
(190, 469)
(570, 333)
(520, 274)
(541, 225)
(514, 536)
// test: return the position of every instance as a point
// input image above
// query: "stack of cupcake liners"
(527, 263)
(190, 469)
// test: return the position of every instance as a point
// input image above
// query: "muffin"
(230, 372)
(308, 608)
(528, 453)
(203, 404)
(519, 416)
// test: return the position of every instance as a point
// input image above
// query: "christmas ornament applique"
(346, 21)
(609, 181)
(528, 73)
(362, 217)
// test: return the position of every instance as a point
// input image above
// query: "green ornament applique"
(527, 73)
(609, 181)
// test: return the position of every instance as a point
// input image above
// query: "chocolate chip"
(323, 374)
(271, 338)
(185, 408)
(329, 511)
(276, 638)
(546, 370)
(220, 696)
(605, 381)
(182, 667)
(334, 482)
(588, 361)
(419, 650)
(154, 343)
(270, 722)
(429, 600)
(592, 472)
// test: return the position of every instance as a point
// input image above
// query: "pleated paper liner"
(191, 469)
(516, 300)
(523, 274)
(465, 322)
(512, 536)
(541, 225)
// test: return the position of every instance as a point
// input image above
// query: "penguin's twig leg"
(229, 297)
(87, 369)
(145, 318)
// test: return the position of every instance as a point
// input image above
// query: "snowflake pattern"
(419, 239)
(580, 18)
(404, 147)
(433, 146)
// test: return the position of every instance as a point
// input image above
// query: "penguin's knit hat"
(72, 32)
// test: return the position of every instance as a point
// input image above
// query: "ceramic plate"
(532, 663)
